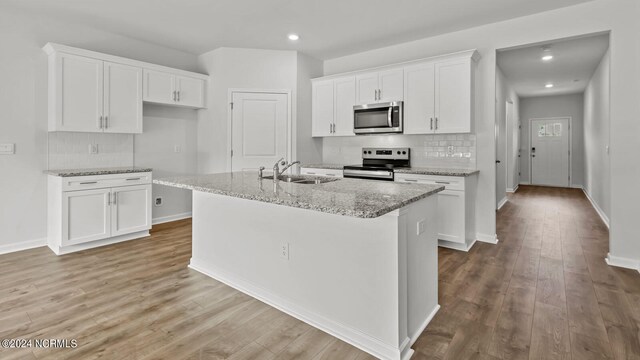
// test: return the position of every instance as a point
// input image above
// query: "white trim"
(491, 239)
(456, 246)
(502, 202)
(626, 263)
(510, 190)
(352, 336)
(424, 325)
(23, 245)
(51, 48)
(175, 217)
(291, 119)
(570, 148)
(525, 183)
(600, 212)
(61, 250)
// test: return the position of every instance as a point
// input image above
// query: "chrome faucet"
(276, 168)
(288, 166)
(260, 172)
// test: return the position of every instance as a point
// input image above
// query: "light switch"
(7, 149)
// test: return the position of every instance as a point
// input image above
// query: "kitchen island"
(355, 258)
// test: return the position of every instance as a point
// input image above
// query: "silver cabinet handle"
(131, 179)
(330, 174)
(109, 200)
(100, 122)
(106, 122)
(410, 180)
(330, 128)
(375, 94)
(442, 182)
(431, 126)
(88, 182)
(436, 123)
(310, 173)
(178, 96)
(379, 94)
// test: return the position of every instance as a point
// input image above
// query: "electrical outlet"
(158, 201)
(450, 149)
(284, 251)
(420, 229)
(93, 149)
(7, 149)
(177, 149)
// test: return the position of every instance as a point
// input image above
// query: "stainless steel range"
(378, 163)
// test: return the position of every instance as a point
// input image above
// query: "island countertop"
(348, 197)
(96, 171)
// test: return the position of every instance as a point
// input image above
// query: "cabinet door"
(453, 96)
(322, 108)
(78, 94)
(419, 111)
(86, 216)
(131, 209)
(391, 85)
(190, 91)
(451, 213)
(122, 98)
(345, 98)
(159, 87)
(367, 88)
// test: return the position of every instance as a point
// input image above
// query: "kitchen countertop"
(348, 197)
(409, 170)
(96, 171)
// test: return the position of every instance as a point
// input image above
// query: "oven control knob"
(398, 152)
(369, 152)
(404, 153)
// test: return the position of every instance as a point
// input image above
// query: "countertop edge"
(93, 172)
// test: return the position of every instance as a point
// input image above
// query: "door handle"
(497, 161)
(389, 114)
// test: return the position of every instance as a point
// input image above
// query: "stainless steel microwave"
(382, 118)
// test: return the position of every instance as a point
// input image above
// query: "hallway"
(543, 292)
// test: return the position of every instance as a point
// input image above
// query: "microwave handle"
(389, 115)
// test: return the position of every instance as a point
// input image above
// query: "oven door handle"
(372, 174)
(389, 114)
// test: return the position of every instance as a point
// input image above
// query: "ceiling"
(573, 59)
(327, 28)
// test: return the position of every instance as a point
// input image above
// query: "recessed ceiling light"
(548, 86)
(293, 37)
(547, 57)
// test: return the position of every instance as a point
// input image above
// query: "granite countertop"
(409, 170)
(96, 171)
(348, 197)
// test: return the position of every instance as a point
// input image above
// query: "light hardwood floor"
(543, 292)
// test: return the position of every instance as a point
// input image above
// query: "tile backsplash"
(445, 151)
(70, 150)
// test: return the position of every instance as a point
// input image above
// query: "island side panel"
(342, 272)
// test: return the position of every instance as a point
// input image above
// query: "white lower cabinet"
(456, 208)
(91, 211)
(321, 172)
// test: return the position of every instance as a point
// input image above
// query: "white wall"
(597, 166)
(554, 106)
(235, 68)
(619, 16)
(23, 109)
(505, 131)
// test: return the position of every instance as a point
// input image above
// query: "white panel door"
(323, 108)
(86, 216)
(391, 85)
(419, 95)
(122, 98)
(367, 88)
(345, 98)
(131, 209)
(550, 152)
(259, 131)
(190, 91)
(159, 87)
(451, 211)
(79, 94)
(453, 96)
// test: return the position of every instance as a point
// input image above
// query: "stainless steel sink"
(300, 179)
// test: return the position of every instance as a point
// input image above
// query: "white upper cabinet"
(419, 98)
(332, 107)
(122, 98)
(383, 86)
(75, 93)
(94, 92)
(454, 96)
(167, 88)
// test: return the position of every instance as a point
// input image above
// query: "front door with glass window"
(550, 152)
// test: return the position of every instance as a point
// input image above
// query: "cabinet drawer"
(449, 182)
(75, 183)
(321, 172)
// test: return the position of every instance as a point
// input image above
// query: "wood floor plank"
(550, 333)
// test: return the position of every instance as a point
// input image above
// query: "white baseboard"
(176, 217)
(354, 337)
(502, 202)
(415, 336)
(24, 245)
(603, 216)
(62, 250)
(525, 183)
(510, 190)
(491, 239)
(623, 262)
(456, 246)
